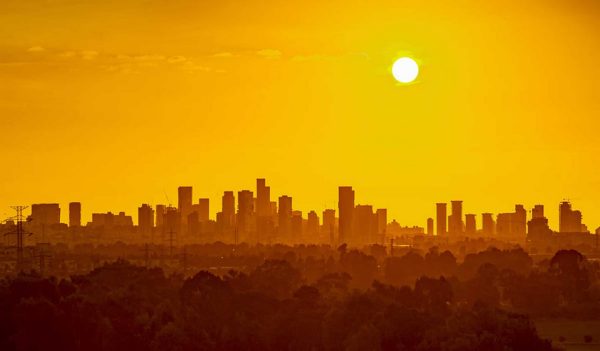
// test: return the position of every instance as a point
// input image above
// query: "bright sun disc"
(405, 70)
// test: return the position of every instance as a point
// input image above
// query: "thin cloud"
(269, 53)
(67, 54)
(36, 49)
(327, 57)
(176, 59)
(88, 54)
(223, 54)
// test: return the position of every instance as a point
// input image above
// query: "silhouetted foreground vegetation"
(479, 304)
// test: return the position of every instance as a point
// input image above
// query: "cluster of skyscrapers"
(259, 218)
(510, 226)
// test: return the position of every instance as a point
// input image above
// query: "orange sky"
(114, 103)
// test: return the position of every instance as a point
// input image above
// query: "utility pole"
(20, 234)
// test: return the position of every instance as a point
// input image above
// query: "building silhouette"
(45, 214)
(203, 209)
(312, 226)
(512, 225)
(160, 215)
(346, 213)
(184, 201)
(75, 214)
(363, 225)
(569, 221)
(440, 215)
(381, 225)
(245, 214)
(455, 221)
(226, 218)
(329, 226)
(537, 211)
(470, 224)
(297, 225)
(284, 230)
(537, 228)
(488, 225)
(145, 219)
(430, 226)
(110, 220)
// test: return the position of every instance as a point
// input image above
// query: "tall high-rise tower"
(429, 226)
(470, 224)
(145, 219)
(488, 226)
(285, 218)
(75, 214)
(456, 220)
(184, 201)
(441, 217)
(346, 210)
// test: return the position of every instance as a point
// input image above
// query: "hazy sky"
(115, 103)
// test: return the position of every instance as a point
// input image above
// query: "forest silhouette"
(349, 300)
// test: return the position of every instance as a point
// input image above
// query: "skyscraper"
(312, 226)
(75, 214)
(228, 209)
(329, 224)
(470, 224)
(519, 222)
(145, 219)
(264, 220)
(346, 210)
(45, 214)
(381, 222)
(569, 221)
(488, 226)
(285, 218)
(440, 215)
(245, 213)
(184, 201)
(203, 210)
(263, 198)
(538, 230)
(160, 215)
(456, 220)
(363, 225)
(537, 211)
(503, 225)
(430, 226)
(172, 223)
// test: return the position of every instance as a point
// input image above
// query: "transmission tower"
(20, 234)
(42, 255)
(171, 240)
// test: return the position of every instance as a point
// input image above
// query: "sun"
(405, 70)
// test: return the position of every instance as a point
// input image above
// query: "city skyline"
(115, 102)
(457, 220)
(263, 175)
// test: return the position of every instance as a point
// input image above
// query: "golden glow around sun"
(405, 70)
